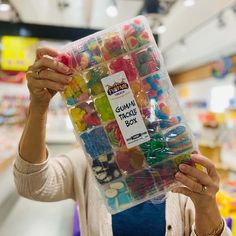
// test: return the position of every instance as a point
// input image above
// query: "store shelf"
(4, 164)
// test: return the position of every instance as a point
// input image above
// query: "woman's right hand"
(46, 76)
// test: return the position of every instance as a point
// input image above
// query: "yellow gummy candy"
(68, 92)
(84, 89)
(75, 113)
(81, 126)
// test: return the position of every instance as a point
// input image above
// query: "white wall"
(206, 44)
(182, 20)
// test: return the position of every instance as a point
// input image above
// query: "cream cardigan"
(68, 176)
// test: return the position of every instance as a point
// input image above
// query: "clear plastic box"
(125, 114)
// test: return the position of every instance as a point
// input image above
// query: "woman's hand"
(46, 76)
(201, 187)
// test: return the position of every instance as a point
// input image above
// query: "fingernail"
(69, 79)
(178, 175)
(62, 87)
(65, 68)
(183, 167)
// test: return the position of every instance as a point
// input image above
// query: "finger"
(202, 177)
(53, 76)
(41, 84)
(183, 190)
(40, 52)
(47, 62)
(205, 162)
(192, 185)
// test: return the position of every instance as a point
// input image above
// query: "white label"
(125, 109)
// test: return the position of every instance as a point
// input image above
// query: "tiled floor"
(23, 217)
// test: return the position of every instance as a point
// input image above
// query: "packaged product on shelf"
(125, 114)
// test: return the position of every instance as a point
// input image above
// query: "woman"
(189, 210)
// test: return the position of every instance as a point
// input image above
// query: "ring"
(38, 73)
(204, 189)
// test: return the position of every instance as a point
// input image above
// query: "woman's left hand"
(201, 187)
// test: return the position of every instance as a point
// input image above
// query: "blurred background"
(198, 42)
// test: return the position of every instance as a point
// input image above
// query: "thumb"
(46, 51)
(183, 190)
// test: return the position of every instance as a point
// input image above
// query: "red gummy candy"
(114, 43)
(162, 105)
(144, 35)
(122, 142)
(137, 22)
(146, 113)
(123, 64)
(152, 93)
(123, 161)
(151, 66)
(91, 119)
(66, 59)
(128, 30)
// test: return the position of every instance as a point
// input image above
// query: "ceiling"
(85, 13)
(195, 26)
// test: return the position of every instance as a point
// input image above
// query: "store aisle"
(23, 217)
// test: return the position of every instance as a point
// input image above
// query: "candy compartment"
(136, 34)
(105, 169)
(96, 142)
(112, 44)
(87, 53)
(179, 140)
(147, 61)
(84, 116)
(141, 184)
(155, 150)
(130, 160)
(125, 64)
(94, 77)
(114, 134)
(104, 109)
(117, 195)
(77, 91)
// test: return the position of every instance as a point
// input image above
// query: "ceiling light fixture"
(112, 10)
(5, 7)
(189, 3)
(234, 9)
(161, 29)
(221, 21)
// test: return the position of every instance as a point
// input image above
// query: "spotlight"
(234, 9)
(221, 22)
(189, 3)
(5, 7)
(183, 44)
(161, 29)
(112, 10)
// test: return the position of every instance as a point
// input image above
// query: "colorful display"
(125, 114)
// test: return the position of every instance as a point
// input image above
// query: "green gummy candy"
(143, 69)
(144, 58)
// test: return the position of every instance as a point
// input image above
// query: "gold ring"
(38, 73)
(204, 189)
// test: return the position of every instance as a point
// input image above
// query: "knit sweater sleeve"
(189, 216)
(51, 180)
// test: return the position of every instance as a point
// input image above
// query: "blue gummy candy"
(153, 86)
(160, 92)
(157, 76)
(124, 198)
(149, 80)
(161, 115)
(71, 101)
